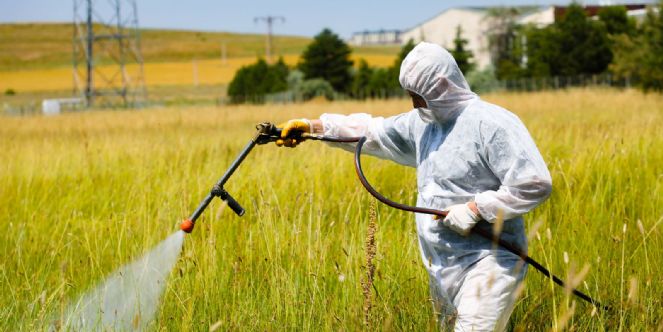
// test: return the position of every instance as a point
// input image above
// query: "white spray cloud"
(128, 299)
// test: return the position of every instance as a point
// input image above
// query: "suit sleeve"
(515, 160)
(387, 138)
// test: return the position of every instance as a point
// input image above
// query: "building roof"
(522, 11)
(593, 10)
(526, 10)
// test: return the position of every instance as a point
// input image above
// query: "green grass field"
(84, 193)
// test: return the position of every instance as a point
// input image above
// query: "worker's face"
(417, 100)
(426, 115)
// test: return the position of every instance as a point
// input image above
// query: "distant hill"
(46, 45)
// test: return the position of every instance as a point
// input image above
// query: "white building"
(380, 37)
(475, 24)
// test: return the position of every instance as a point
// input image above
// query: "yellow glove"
(302, 125)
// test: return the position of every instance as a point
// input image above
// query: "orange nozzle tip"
(187, 226)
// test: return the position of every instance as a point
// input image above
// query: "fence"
(210, 95)
(563, 82)
(521, 85)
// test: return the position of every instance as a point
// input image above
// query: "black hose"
(481, 232)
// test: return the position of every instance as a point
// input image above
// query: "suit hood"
(431, 72)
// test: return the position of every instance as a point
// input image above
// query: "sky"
(302, 17)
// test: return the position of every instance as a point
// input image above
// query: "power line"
(113, 40)
(270, 20)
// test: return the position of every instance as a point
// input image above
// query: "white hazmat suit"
(464, 149)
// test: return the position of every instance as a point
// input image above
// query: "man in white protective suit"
(475, 160)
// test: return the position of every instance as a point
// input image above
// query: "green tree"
(361, 81)
(583, 46)
(640, 57)
(394, 71)
(405, 50)
(328, 58)
(251, 83)
(277, 76)
(380, 82)
(574, 45)
(380, 85)
(505, 42)
(460, 52)
(616, 20)
(542, 50)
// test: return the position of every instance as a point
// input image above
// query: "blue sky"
(303, 17)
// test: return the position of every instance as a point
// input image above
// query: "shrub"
(309, 89)
(251, 83)
(482, 81)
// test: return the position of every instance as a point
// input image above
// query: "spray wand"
(268, 132)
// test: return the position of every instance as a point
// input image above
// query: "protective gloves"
(460, 218)
(303, 125)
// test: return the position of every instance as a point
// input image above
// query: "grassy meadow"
(84, 193)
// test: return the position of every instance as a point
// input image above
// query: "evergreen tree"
(328, 58)
(405, 50)
(393, 85)
(460, 52)
(380, 82)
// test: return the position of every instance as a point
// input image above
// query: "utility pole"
(107, 31)
(89, 66)
(194, 62)
(223, 54)
(270, 21)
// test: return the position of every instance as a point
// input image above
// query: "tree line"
(577, 44)
(574, 45)
(325, 69)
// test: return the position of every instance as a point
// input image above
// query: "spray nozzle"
(187, 226)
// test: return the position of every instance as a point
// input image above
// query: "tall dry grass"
(370, 251)
(84, 193)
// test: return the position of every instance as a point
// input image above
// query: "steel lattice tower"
(107, 60)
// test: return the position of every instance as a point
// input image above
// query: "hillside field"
(207, 72)
(84, 193)
(38, 57)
